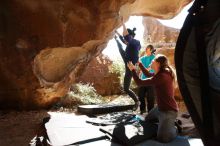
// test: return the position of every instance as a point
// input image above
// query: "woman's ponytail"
(134, 29)
(131, 32)
(164, 65)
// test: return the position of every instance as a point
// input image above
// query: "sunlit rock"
(100, 76)
(45, 45)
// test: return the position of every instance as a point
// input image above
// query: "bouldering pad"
(102, 108)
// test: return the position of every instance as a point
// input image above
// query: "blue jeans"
(166, 128)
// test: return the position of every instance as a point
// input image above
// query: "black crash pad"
(102, 108)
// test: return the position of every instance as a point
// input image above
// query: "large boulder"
(157, 33)
(46, 44)
(98, 74)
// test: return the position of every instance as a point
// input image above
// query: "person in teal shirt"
(149, 90)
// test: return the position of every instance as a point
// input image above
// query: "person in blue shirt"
(131, 53)
(149, 90)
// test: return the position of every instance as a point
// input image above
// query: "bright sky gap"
(136, 21)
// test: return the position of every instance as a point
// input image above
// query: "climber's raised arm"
(125, 31)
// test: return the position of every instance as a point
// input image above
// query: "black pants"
(146, 91)
(128, 74)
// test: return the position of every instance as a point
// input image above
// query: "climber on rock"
(131, 53)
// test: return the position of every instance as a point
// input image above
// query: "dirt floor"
(19, 128)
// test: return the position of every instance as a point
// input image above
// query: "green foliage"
(118, 67)
(86, 94)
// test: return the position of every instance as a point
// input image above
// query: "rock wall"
(46, 44)
(156, 32)
(98, 74)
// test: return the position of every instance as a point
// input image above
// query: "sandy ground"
(20, 127)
